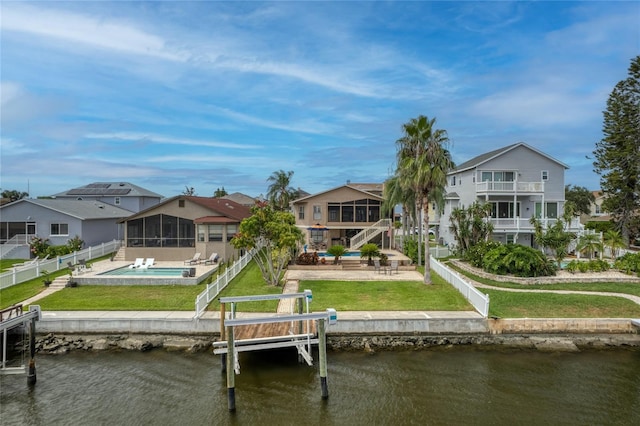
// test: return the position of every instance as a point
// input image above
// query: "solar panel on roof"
(117, 191)
(98, 185)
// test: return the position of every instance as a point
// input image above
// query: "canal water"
(455, 386)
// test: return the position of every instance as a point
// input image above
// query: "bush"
(477, 252)
(308, 259)
(369, 251)
(518, 260)
(629, 263)
(336, 251)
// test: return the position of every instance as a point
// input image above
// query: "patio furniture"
(376, 265)
(148, 263)
(139, 261)
(212, 259)
(194, 260)
(393, 267)
(84, 266)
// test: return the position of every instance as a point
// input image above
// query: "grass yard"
(506, 304)
(385, 296)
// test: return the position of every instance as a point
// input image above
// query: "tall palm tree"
(280, 192)
(423, 164)
(394, 193)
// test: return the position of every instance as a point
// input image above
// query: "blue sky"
(222, 94)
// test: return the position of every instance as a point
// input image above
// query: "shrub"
(370, 251)
(598, 265)
(308, 259)
(572, 266)
(336, 251)
(517, 260)
(477, 252)
(629, 263)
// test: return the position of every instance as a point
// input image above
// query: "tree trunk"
(418, 221)
(427, 263)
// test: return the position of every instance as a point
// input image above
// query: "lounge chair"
(212, 259)
(194, 260)
(394, 267)
(148, 263)
(138, 263)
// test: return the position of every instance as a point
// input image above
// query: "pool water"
(348, 254)
(146, 272)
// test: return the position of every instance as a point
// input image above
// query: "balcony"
(500, 187)
(517, 224)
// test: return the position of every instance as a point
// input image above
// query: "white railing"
(213, 289)
(29, 271)
(520, 187)
(480, 301)
(362, 237)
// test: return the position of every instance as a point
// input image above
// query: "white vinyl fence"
(213, 289)
(480, 301)
(30, 270)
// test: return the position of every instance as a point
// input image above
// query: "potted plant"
(45, 277)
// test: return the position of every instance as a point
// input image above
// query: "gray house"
(57, 220)
(120, 194)
(519, 182)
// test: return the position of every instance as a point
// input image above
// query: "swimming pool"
(146, 272)
(347, 254)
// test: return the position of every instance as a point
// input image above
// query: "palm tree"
(394, 193)
(589, 243)
(615, 242)
(280, 192)
(423, 164)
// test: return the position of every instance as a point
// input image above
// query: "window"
(201, 232)
(504, 210)
(453, 181)
(232, 230)
(511, 239)
(317, 213)
(215, 232)
(300, 212)
(180, 203)
(334, 213)
(545, 175)
(116, 201)
(59, 229)
(552, 210)
(598, 209)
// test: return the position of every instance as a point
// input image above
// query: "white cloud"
(85, 30)
(154, 138)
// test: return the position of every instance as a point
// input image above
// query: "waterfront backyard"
(351, 295)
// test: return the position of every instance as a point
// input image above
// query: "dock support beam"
(322, 358)
(223, 363)
(31, 375)
(231, 377)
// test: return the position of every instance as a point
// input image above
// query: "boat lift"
(12, 318)
(302, 338)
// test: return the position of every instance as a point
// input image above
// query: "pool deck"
(93, 276)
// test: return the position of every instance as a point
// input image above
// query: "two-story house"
(518, 181)
(349, 215)
(120, 194)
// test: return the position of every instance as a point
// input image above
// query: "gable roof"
(102, 189)
(79, 209)
(356, 187)
(240, 198)
(222, 206)
(483, 158)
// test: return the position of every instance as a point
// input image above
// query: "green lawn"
(341, 295)
(385, 296)
(506, 304)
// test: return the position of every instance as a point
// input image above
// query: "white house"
(519, 181)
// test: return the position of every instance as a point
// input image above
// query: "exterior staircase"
(120, 254)
(59, 283)
(364, 236)
(350, 264)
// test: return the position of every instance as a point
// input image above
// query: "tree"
(589, 243)
(617, 155)
(555, 238)
(274, 234)
(219, 193)
(581, 197)
(423, 162)
(14, 195)
(280, 192)
(336, 251)
(472, 225)
(189, 191)
(614, 241)
(370, 251)
(394, 193)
